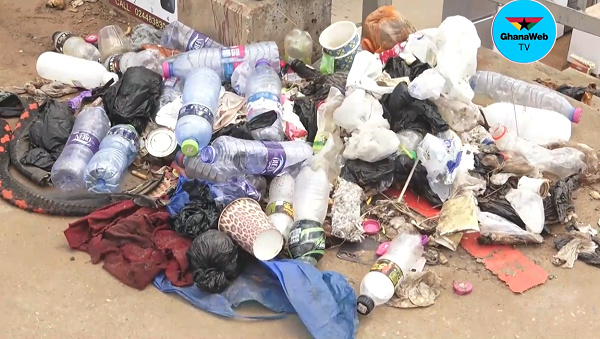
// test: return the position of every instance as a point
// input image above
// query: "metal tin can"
(161, 143)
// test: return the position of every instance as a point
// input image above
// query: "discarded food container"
(245, 221)
(341, 43)
(371, 226)
(161, 143)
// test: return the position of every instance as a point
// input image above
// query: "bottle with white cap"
(378, 286)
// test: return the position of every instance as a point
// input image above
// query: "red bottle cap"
(91, 39)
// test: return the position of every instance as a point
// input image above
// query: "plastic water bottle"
(112, 40)
(117, 151)
(378, 286)
(255, 157)
(70, 44)
(221, 60)
(119, 63)
(89, 129)
(263, 95)
(171, 90)
(195, 168)
(504, 88)
(534, 124)
(279, 209)
(199, 111)
(73, 71)
(169, 103)
(561, 162)
(181, 37)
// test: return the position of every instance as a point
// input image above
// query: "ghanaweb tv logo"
(521, 38)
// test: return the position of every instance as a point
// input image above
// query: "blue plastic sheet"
(324, 301)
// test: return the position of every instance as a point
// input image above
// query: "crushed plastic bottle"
(298, 45)
(222, 60)
(263, 95)
(117, 151)
(534, 124)
(91, 126)
(378, 286)
(255, 157)
(561, 162)
(199, 111)
(506, 89)
(73, 71)
(119, 63)
(279, 208)
(195, 168)
(181, 37)
(69, 44)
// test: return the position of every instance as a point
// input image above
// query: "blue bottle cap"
(208, 155)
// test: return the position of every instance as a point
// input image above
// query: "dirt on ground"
(47, 290)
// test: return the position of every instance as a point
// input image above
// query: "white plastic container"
(73, 71)
(279, 209)
(378, 286)
(537, 125)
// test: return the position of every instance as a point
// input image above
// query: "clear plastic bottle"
(298, 45)
(561, 162)
(171, 90)
(255, 157)
(534, 124)
(279, 209)
(378, 286)
(183, 38)
(73, 71)
(112, 40)
(506, 89)
(91, 126)
(222, 60)
(70, 44)
(195, 168)
(263, 95)
(117, 151)
(169, 103)
(199, 111)
(119, 63)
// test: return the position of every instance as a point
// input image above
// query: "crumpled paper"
(231, 109)
(418, 289)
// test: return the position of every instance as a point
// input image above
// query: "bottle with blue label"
(199, 110)
(117, 151)
(268, 158)
(183, 38)
(91, 126)
(263, 95)
(222, 60)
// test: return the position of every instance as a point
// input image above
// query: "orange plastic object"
(510, 265)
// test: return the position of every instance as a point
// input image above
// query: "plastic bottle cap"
(371, 226)
(577, 113)
(166, 70)
(91, 39)
(498, 132)
(208, 155)
(189, 148)
(462, 287)
(263, 62)
(364, 305)
(382, 248)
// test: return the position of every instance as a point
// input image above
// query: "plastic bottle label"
(113, 64)
(263, 102)
(170, 82)
(199, 110)
(390, 269)
(59, 43)
(307, 239)
(231, 58)
(391, 53)
(198, 41)
(280, 207)
(84, 139)
(275, 158)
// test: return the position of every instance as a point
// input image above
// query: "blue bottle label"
(84, 139)
(262, 102)
(275, 158)
(199, 110)
(231, 58)
(198, 41)
(127, 132)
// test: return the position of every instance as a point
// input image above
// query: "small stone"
(72, 258)
(21, 51)
(24, 64)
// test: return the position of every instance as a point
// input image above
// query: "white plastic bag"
(459, 115)
(371, 144)
(530, 208)
(435, 154)
(366, 68)
(359, 108)
(428, 85)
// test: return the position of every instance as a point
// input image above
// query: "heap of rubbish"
(218, 173)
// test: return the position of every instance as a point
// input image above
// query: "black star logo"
(524, 24)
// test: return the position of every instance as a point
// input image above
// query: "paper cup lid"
(267, 244)
(161, 142)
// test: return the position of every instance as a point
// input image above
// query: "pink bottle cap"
(166, 70)
(462, 287)
(382, 249)
(577, 115)
(91, 39)
(371, 226)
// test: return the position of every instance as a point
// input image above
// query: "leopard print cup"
(244, 220)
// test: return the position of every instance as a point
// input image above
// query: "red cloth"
(135, 243)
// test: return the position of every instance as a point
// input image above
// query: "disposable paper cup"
(249, 226)
(339, 38)
(538, 186)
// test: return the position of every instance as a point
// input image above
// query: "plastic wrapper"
(366, 74)
(497, 204)
(558, 205)
(242, 130)
(460, 116)
(384, 28)
(409, 140)
(495, 230)
(440, 156)
(346, 221)
(397, 67)
(134, 98)
(529, 206)
(404, 112)
(378, 175)
(358, 109)
(214, 262)
(197, 216)
(428, 85)
(371, 144)
(325, 124)
(419, 185)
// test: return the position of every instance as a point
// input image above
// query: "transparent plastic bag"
(384, 28)
(460, 116)
(497, 230)
(371, 144)
(359, 108)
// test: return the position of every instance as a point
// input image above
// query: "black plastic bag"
(213, 259)
(53, 127)
(134, 98)
(397, 67)
(497, 204)
(558, 204)
(418, 184)
(199, 215)
(306, 109)
(404, 112)
(11, 105)
(242, 129)
(39, 158)
(378, 175)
